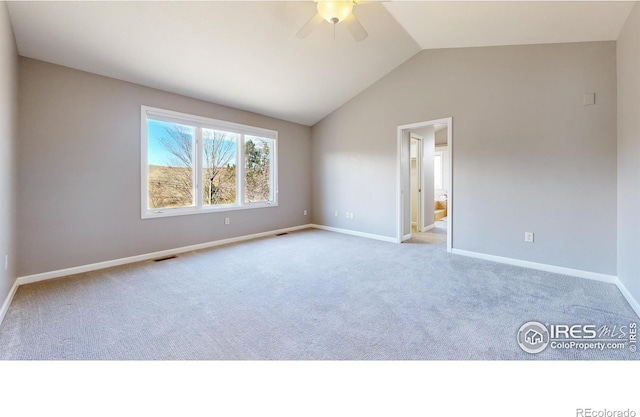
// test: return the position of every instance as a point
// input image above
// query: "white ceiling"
(459, 24)
(246, 55)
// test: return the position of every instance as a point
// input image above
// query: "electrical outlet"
(336, 214)
(305, 212)
(347, 215)
(351, 215)
(227, 220)
(528, 237)
(589, 99)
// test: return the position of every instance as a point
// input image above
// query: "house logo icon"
(533, 337)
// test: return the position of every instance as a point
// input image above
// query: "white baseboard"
(610, 279)
(354, 233)
(632, 301)
(430, 227)
(28, 279)
(7, 301)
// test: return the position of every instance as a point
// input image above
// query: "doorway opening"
(425, 179)
(416, 182)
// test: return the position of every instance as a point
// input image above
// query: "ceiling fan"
(335, 12)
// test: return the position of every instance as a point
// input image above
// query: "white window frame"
(200, 122)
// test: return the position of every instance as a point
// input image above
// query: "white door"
(416, 169)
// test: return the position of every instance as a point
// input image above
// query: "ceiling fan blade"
(356, 29)
(310, 26)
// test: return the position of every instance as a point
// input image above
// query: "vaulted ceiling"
(246, 55)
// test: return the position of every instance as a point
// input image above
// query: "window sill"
(187, 211)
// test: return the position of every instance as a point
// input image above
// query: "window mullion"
(197, 167)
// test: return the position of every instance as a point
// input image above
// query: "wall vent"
(165, 259)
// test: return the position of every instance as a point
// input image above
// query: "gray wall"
(629, 154)
(8, 139)
(528, 156)
(79, 172)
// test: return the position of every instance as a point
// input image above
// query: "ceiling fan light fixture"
(334, 11)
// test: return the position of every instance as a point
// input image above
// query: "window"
(437, 177)
(192, 164)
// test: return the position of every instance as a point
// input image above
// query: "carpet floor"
(308, 295)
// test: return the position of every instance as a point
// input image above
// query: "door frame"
(403, 173)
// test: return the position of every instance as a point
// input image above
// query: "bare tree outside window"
(171, 182)
(218, 167)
